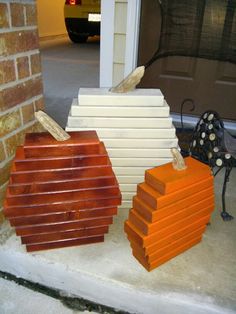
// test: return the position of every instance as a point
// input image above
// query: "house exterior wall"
(120, 27)
(20, 80)
(119, 40)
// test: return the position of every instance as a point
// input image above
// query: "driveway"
(66, 67)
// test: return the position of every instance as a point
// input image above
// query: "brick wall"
(20, 80)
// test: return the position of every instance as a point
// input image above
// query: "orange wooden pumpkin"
(170, 212)
(61, 193)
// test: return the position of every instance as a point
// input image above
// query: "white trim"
(190, 121)
(107, 42)
(132, 35)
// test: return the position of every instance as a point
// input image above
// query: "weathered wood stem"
(130, 82)
(51, 126)
(178, 160)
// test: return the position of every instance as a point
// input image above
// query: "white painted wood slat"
(136, 98)
(117, 122)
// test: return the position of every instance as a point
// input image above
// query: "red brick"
(13, 141)
(39, 104)
(9, 122)
(7, 72)
(28, 113)
(31, 14)
(23, 67)
(2, 217)
(5, 173)
(2, 196)
(4, 20)
(35, 63)
(17, 14)
(19, 93)
(2, 152)
(35, 128)
(11, 144)
(16, 42)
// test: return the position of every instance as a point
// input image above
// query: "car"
(82, 19)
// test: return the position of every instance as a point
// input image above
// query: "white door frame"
(107, 42)
(132, 35)
(107, 39)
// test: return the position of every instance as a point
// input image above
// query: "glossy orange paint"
(166, 181)
(170, 212)
(170, 219)
(152, 215)
(167, 257)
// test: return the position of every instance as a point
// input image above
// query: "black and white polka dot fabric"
(208, 141)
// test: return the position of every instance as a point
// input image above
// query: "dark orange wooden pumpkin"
(61, 193)
(170, 212)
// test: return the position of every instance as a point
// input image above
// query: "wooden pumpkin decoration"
(170, 211)
(61, 193)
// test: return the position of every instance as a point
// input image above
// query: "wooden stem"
(130, 82)
(178, 160)
(51, 126)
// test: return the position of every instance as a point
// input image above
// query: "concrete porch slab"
(202, 280)
(18, 299)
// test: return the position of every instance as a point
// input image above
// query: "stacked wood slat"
(170, 212)
(136, 128)
(61, 193)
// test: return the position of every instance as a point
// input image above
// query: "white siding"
(120, 28)
(119, 38)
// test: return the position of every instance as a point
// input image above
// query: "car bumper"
(82, 26)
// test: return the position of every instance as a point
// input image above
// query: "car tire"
(77, 38)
